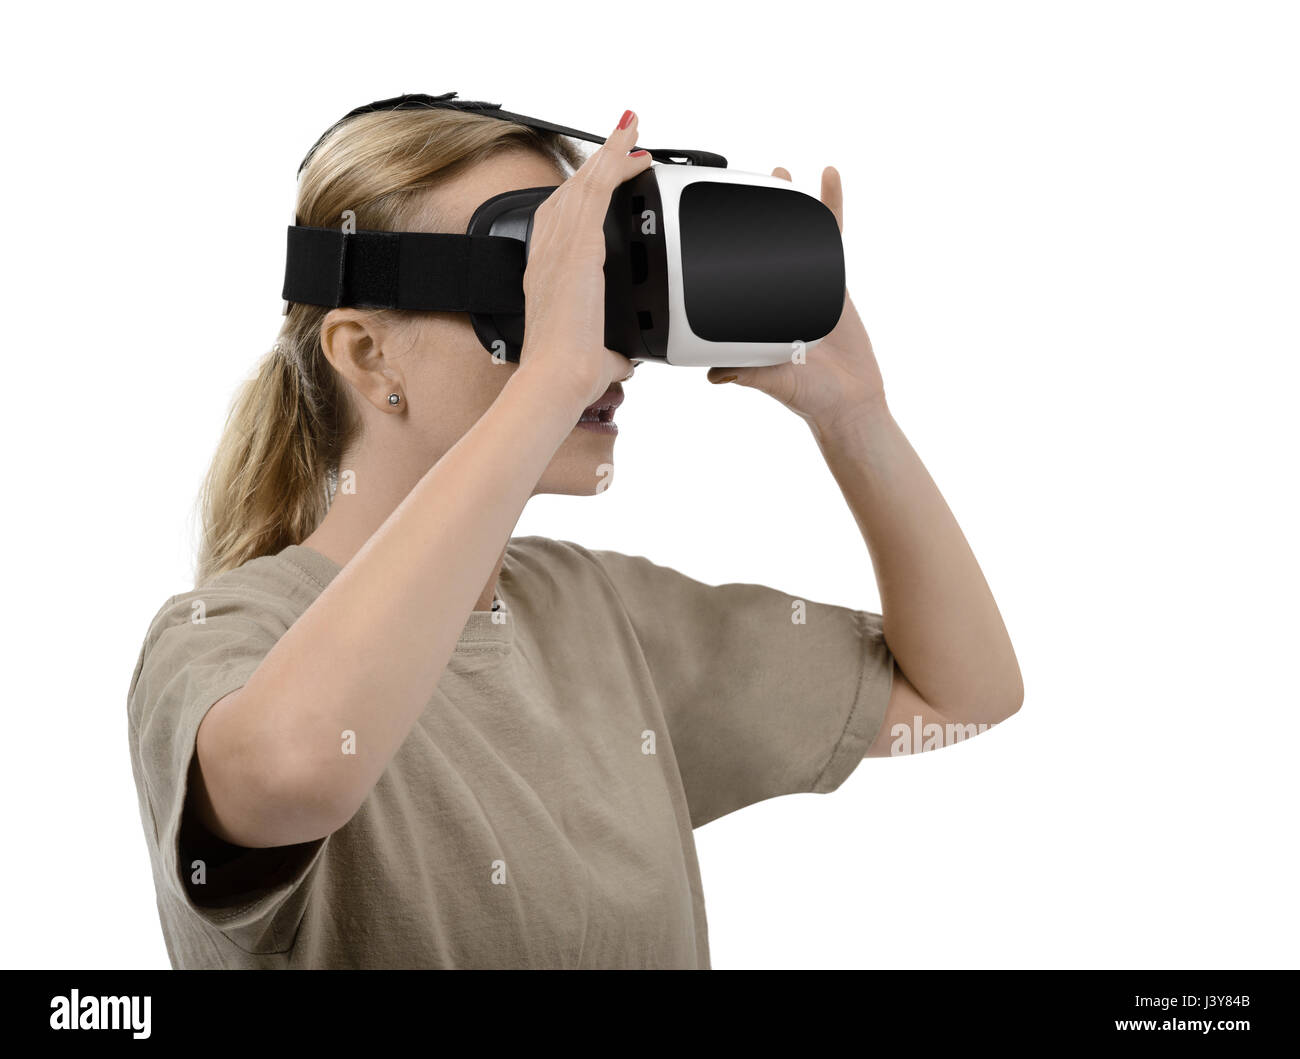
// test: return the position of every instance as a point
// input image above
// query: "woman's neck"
(355, 515)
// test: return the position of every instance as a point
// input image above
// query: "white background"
(1072, 230)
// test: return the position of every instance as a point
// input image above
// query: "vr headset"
(703, 265)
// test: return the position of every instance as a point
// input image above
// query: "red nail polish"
(626, 119)
(637, 154)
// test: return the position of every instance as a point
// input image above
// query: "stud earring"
(394, 399)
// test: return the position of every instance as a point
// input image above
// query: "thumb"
(736, 375)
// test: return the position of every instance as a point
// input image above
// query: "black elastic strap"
(420, 271)
(448, 101)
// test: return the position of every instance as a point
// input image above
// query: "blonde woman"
(383, 732)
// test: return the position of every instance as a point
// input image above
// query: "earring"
(394, 399)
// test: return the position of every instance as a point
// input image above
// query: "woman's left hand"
(839, 378)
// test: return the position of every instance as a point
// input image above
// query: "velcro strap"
(420, 271)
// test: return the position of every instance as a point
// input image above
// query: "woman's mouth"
(599, 416)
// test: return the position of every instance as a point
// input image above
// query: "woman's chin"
(582, 466)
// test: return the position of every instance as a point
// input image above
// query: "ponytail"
(268, 486)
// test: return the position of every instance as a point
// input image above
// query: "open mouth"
(599, 416)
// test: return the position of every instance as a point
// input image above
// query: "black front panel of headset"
(759, 264)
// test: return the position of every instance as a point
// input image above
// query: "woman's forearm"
(368, 653)
(940, 619)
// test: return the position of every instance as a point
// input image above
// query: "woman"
(381, 732)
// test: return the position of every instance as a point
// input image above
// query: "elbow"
(302, 804)
(270, 798)
(1014, 699)
(1006, 698)
(995, 701)
(980, 708)
(1002, 687)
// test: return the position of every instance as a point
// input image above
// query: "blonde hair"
(271, 480)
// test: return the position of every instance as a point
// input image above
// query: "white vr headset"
(703, 265)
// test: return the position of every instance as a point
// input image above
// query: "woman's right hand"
(564, 281)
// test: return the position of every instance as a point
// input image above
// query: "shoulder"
(620, 574)
(531, 553)
(538, 553)
(269, 589)
(241, 611)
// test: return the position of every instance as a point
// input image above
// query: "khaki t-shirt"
(540, 812)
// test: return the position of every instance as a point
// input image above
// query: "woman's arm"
(954, 663)
(953, 659)
(368, 653)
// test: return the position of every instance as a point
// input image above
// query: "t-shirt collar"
(481, 626)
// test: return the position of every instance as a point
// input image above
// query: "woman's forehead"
(450, 204)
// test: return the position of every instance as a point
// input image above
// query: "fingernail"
(637, 154)
(726, 378)
(626, 119)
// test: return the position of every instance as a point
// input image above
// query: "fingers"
(611, 164)
(579, 206)
(832, 191)
(833, 194)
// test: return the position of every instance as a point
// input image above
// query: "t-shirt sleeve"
(764, 693)
(201, 646)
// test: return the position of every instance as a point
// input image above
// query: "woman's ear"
(353, 342)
